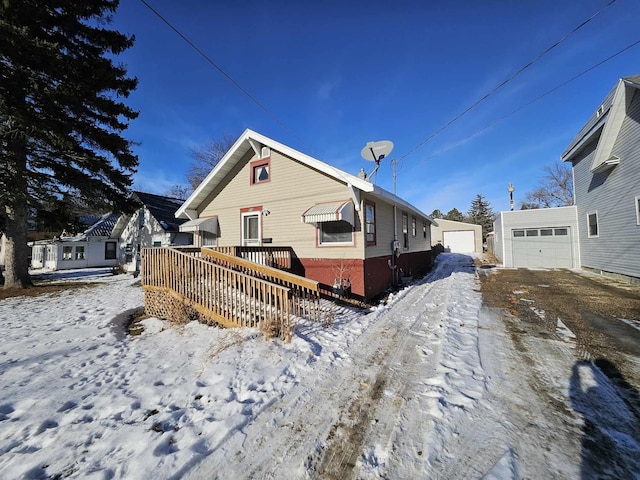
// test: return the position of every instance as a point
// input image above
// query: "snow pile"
(426, 386)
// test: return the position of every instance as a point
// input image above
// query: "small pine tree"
(481, 213)
(455, 215)
(437, 214)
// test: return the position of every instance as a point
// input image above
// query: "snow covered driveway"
(429, 385)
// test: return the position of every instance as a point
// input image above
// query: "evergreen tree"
(455, 215)
(480, 213)
(437, 214)
(61, 114)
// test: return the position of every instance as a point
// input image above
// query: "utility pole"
(510, 189)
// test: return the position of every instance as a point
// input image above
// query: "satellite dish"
(376, 151)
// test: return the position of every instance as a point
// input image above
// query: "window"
(559, 232)
(110, 251)
(592, 222)
(424, 229)
(79, 253)
(334, 233)
(637, 210)
(518, 233)
(414, 230)
(370, 223)
(67, 252)
(260, 171)
(405, 230)
(209, 239)
(546, 232)
(157, 244)
(532, 233)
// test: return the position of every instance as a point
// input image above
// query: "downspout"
(394, 248)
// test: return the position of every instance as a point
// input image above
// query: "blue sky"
(338, 74)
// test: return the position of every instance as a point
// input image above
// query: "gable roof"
(605, 124)
(250, 140)
(163, 209)
(103, 227)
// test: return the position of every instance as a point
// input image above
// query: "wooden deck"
(215, 287)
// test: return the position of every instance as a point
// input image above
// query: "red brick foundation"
(368, 277)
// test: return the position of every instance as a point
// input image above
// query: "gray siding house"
(605, 156)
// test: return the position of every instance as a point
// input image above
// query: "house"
(601, 232)
(457, 237)
(95, 247)
(3, 249)
(546, 237)
(153, 225)
(605, 155)
(341, 229)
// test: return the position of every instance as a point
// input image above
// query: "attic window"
(600, 111)
(260, 171)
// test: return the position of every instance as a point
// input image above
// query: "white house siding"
(612, 195)
(3, 248)
(506, 222)
(498, 238)
(146, 232)
(290, 191)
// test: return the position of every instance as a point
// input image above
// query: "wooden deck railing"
(305, 293)
(227, 296)
(277, 257)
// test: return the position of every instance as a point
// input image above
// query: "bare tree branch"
(555, 188)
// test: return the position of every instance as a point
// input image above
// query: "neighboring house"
(605, 155)
(341, 228)
(457, 237)
(153, 225)
(3, 249)
(603, 228)
(96, 247)
(545, 237)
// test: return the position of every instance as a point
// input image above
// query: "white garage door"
(542, 247)
(459, 242)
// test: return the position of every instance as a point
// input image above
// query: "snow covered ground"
(428, 385)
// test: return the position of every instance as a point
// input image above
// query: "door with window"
(251, 229)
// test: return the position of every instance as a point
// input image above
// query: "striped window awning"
(206, 224)
(329, 212)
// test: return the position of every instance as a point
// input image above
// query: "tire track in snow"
(374, 429)
(345, 395)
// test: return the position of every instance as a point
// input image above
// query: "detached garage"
(457, 237)
(544, 238)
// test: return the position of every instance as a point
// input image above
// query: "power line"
(540, 97)
(509, 79)
(223, 72)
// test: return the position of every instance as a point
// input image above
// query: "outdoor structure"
(546, 237)
(338, 229)
(605, 156)
(96, 247)
(152, 225)
(3, 248)
(601, 232)
(457, 237)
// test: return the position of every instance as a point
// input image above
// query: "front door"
(251, 229)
